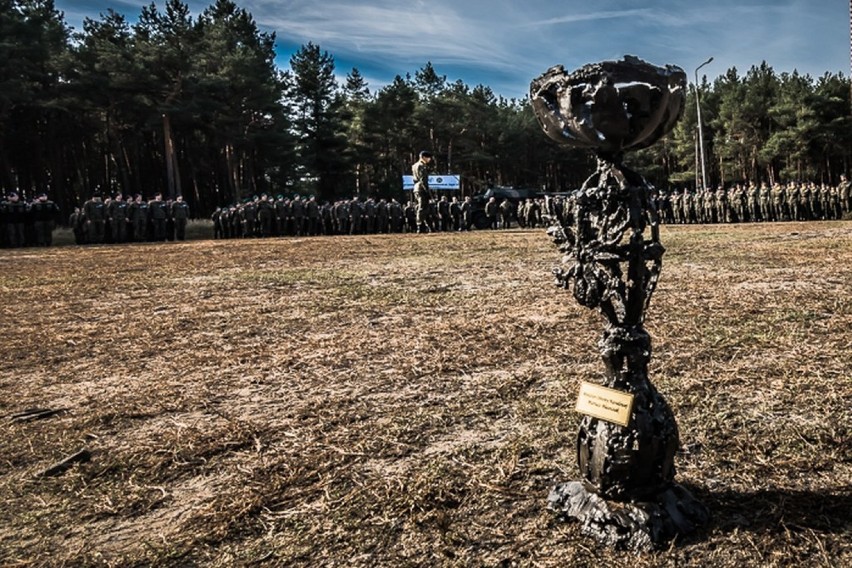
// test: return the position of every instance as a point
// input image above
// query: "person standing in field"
(137, 213)
(844, 191)
(491, 208)
(180, 214)
(45, 214)
(157, 213)
(117, 215)
(93, 213)
(422, 195)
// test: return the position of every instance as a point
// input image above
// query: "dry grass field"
(405, 400)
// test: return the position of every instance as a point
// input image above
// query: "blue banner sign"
(444, 182)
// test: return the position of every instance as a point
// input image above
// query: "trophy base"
(638, 526)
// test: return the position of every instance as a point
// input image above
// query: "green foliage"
(769, 127)
(318, 122)
(195, 105)
(110, 107)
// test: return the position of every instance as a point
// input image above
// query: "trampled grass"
(407, 400)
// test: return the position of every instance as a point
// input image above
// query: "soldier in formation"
(306, 216)
(180, 215)
(45, 214)
(118, 220)
(752, 203)
(299, 216)
(25, 223)
(117, 216)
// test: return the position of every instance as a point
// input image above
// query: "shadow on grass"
(780, 510)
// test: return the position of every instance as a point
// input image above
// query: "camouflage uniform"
(455, 213)
(313, 216)
(248, 216)
(533, 213)
(281, 215)
(844, 191)
(491, 212)
(677, 207)
(265, 215)
(117, 214)
(794, 201)
(805, 211)
(137, 214)
(45, 213)
(355, 217)
(369, 218)
(381, 216)
(14, 212)
(180, 214)
(722, 205)
(753, 196)
(709, 206)
(410, 217)
(444, 213)
(813, 201)
(422, 195)
(216, 217)
(158, 215)
(297, 212)
(76, 223)
(94, 214)
(834, 198)
(397, 216)
(327, 217)
(689, 207)
(506, 214)
(778, 191)
(825, 206)
(467, 213)
(765, 199)
(341, 213)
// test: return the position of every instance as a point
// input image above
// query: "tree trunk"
(172, 174)
(233, 174)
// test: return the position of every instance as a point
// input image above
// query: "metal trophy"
(609, 233)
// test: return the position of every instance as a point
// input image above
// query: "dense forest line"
(195, 105)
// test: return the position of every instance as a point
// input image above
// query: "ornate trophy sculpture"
(628, 436)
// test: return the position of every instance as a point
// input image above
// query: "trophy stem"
(627, 497)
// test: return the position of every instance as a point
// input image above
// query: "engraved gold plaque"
(605, 403)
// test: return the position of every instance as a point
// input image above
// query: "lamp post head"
(700, 66)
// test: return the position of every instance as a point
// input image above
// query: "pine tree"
(317, 122)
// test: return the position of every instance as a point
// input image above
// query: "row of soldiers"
(24, 223)
(526, 213)
(752, 203)
(263, 216)
(118, 220)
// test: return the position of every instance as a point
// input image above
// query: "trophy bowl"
(611, 106)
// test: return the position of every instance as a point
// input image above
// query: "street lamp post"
(700, 128)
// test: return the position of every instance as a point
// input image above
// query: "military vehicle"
(515, 195)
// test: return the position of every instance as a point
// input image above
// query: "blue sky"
(505, 44)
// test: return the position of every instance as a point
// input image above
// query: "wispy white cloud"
(388, 29)
(504, 43)
(589, 17)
